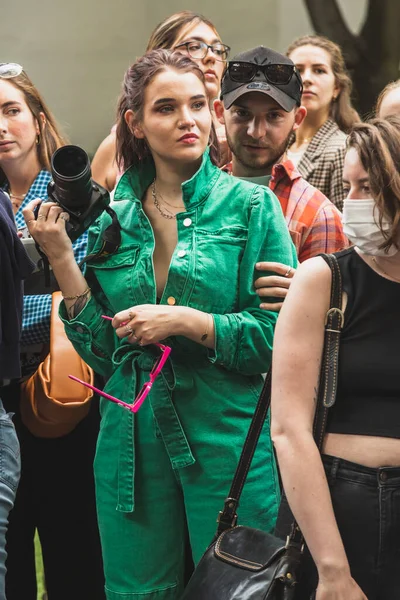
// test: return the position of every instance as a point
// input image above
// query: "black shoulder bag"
(243, 563)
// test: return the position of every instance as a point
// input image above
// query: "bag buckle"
(227, 518)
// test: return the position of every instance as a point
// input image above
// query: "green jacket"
(228, 226)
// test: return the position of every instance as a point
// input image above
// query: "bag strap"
(326, 398)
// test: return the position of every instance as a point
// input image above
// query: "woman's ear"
(42, 119)
(133, 124)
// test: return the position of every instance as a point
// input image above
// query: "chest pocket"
(115, 274)
(218, 257)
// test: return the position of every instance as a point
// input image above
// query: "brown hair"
(131, 150)
(167, 33)
(341, 110)
(377, 143)
(50, 137)
(388, 88)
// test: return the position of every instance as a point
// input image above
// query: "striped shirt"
(314, 223)
(36, 311)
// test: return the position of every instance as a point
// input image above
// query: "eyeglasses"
(10, 70)
(144, 392)
(198, 50)
(244, 72)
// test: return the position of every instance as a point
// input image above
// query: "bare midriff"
(370, 451)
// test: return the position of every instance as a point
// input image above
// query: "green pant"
(144, 548)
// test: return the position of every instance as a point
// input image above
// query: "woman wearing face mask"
(56, 491)
(388, 102)
(193, 35)
(319, 145)
(162, 473)
(347, 503)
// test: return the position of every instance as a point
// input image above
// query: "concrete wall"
(76, 51)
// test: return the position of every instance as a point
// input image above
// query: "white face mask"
(360, 220)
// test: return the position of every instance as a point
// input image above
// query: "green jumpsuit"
(162, 475)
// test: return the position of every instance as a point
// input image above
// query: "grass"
(39, 568)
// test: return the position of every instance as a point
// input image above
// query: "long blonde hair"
(341, 109)
(50, 137)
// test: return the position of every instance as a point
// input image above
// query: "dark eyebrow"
(298, 65)
(362, 180)
(238, 105)
(199, 39)
(165, 100)
(10, 103)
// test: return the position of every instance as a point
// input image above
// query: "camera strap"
(111, 238)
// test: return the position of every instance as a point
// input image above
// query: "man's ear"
(134, 124)
(300, 114)
(219, 110)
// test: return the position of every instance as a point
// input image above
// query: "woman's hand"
(342, 588)
(276, 286)
(149, 323)
(48, 230)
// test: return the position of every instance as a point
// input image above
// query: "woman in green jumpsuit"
(183, 274)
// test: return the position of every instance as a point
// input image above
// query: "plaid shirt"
(322, 162)
(36, 311)
(314, 223)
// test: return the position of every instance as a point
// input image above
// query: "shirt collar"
(283, 169)
(38, 189)
(135, 181)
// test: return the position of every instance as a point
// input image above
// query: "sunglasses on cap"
(276, 74)
(10, 70)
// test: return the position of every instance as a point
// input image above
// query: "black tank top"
(368, 398)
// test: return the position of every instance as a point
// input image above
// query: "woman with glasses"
(319, 145)
(193, 35)
(56, 491)
(163, 468)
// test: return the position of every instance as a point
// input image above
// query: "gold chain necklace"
(382, 270)
(166, 215)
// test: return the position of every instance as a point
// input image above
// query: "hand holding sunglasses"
(144, 392)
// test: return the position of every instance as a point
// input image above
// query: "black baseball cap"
(287, 95)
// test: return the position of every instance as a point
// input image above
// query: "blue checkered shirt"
(36, 312)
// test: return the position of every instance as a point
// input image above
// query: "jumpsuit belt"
(130, 363)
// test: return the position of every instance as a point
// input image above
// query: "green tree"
(373, 55)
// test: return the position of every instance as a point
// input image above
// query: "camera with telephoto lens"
(74, 190)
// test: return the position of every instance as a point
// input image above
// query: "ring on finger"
(42, 217)
(129, 330)
(288, 272)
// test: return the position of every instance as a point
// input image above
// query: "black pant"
(56, 497)
(367, 509)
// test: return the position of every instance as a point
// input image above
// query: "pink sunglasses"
(144, 392)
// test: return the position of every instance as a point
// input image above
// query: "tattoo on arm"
(315, 395)
(77, 306)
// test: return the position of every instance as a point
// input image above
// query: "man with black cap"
(261, 108)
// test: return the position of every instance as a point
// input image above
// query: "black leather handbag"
(243, 563)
